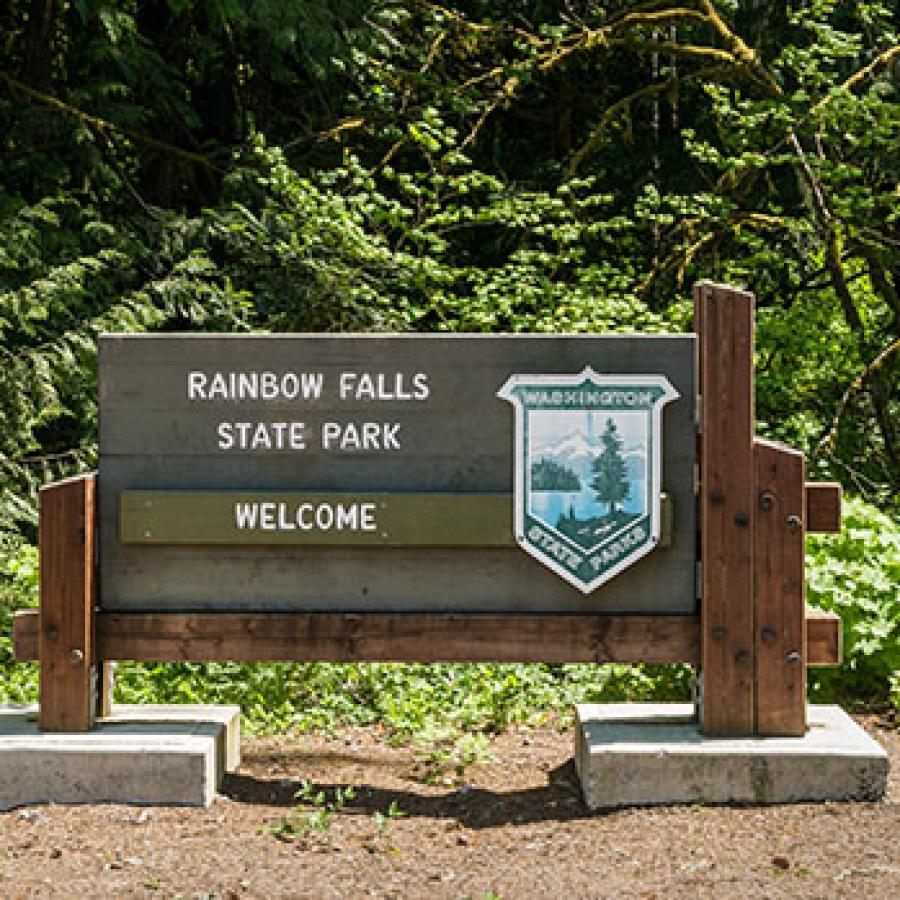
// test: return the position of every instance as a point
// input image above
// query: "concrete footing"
(643, 754)
(148, 755)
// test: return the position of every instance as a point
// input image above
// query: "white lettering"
(267, 516)
(250, 436)
(226, 441)
(360, 436)
(367, 517)
(248, 385)
(421, 390)
(297, 437)
(245, 514)
(272, 515)
(266, 385)
(371, 434)
(312, 385)
(218, 387)
(324, 516)
(330, 431)
(290, 385)
(196, 385)
(304, 523)
(390, 435)
(284, 523)
(382, 386)
(365, 390)
(347, 517)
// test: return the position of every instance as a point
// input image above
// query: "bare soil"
(511, 825)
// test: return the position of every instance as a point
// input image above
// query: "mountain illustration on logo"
(576, 453)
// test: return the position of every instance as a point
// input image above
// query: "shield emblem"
(588, 465)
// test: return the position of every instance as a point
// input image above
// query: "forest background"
(216, 165)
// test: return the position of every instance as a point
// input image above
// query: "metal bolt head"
(741, 519)
(793, 523)
(76, 655)
(793, 658)
(766, 500)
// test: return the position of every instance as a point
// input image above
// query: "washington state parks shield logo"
(588, 460)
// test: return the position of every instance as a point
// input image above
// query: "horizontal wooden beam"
(823, 507)
(383, 637)
(824, 638)
(412, 637)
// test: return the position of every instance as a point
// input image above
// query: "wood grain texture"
(373, 637)
(778, 558)
(459, 441)
(823, 507)
(824, 638)
(66, 647)
(823, 633)
(725, 324)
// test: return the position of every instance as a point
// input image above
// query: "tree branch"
(826, 442)
(590, 146)
(856, 79)
(102, 126)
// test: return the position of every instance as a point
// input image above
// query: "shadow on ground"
(473, 807)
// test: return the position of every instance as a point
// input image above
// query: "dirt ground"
(512, 825)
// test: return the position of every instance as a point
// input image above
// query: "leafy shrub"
(856, 574)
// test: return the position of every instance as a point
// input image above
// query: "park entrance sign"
(376, 473)
(588, 465)
(437, 498)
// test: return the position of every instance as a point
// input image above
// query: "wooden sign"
(376, 473)
(353, 498)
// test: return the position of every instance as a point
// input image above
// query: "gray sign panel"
(207, 439)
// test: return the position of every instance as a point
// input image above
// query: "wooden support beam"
(66, 645)
(778, 557)
(824, 638)
(724, 323)
(823, 507)
(680, 644)
(413, 637)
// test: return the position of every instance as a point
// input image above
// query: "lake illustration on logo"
(588, 470)
(591, 482)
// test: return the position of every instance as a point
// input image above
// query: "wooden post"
(724, 322)
(106, 685)
(66, 643)
(780, 587)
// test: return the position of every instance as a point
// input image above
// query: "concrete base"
(652, 753)
(148, 755)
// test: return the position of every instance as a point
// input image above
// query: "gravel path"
(511, 825)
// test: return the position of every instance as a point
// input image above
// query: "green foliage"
(18, 589)
(381, 819)
(224, 166)
(856, 574)
(313, 812)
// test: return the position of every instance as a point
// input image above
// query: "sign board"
(367, 473)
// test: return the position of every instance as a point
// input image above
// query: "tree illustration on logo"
(610, 472)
